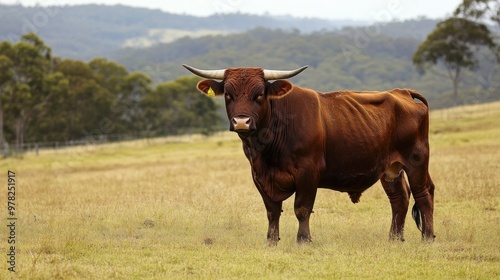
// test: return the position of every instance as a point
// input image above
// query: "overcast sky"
(369, 10)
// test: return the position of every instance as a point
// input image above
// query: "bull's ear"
(210, 87)
(278, 88)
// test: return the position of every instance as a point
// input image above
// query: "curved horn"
(279, 74)
(209, 74)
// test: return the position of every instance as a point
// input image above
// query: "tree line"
(46, 98)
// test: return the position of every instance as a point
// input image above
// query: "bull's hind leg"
(398, 193)
(422, 188)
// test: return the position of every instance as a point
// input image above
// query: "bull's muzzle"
(241, 124)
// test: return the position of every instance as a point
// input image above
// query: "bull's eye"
(227, 95)
(260, 97)
(258, 94)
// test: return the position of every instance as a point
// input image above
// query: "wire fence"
(36, 148)
(13, 149)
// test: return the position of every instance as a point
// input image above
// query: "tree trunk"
(20, 133)
(456, 81)
(1, 126)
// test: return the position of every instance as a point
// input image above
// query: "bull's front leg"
(273, 215)
(304, 234)
(305, 195)
(274, 210)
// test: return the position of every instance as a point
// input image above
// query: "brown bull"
(298, 140)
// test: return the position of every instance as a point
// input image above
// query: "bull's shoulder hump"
(303, 90)
(301, 94)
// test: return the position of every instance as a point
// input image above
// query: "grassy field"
(187, 208)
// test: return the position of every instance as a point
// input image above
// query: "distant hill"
(414, 28)
(337, 60)
(341, 54)
(87, 31)
(355, 38)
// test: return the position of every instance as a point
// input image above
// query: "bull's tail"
(416, 95)
(415, 213)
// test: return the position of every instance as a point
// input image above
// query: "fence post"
(6, 151)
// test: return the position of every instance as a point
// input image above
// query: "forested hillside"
(352, 58)
(87, 31)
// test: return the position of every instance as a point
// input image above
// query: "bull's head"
(246, 91)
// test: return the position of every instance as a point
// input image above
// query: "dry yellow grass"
(187, 208)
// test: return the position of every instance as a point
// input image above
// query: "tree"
(479, 9)
(50, 121)
(87, 105)
(488, 12)
(5, 82)
(176, 107)
(31, 62)
(128, 90)
(108, 74)
(112, 77)
(452, 44)
(136, 86)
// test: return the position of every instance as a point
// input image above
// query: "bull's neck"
(272, 131)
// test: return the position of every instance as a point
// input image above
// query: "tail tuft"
(355, 196)
(415, 213)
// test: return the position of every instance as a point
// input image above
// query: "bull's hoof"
(272, 242)
(396, 237)
(429, 238)
(303, 239)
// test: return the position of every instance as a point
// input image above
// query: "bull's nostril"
(241, 123)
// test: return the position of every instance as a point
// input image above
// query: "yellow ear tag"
(211, 92)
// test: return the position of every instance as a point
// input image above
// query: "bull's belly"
(349, 182)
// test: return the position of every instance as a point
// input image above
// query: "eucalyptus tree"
(478, 10)
(453, 45)
(5, 83)
(30, 63)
